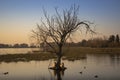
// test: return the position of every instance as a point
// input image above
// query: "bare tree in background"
(58, 29)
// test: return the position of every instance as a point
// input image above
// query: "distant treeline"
(23, 45)
(111, 41)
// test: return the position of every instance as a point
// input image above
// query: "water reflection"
(17, 50)
(115, 59)
(105, 58)
(105, 66)
(57, 74)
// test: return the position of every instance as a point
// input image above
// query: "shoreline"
(73, 53)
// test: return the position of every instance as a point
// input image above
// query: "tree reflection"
(58, 74)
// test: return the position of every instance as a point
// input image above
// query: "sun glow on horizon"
(18, 18)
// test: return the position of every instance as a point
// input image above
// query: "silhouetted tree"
(16, 45)
(23, 45)
(83, 43)
(117, 38)
(111, 38)
(32, 45)
(58, 29)
(5, 46)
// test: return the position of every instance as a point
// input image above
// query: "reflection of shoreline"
(73, 59)
(79, 56)
(115, 59)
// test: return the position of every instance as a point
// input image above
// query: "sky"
(19, 17)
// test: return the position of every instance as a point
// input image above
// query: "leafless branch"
(59, 27)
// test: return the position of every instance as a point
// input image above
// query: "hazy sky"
(19, 17)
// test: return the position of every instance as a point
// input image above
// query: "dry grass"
(26, 57)
(72, 53)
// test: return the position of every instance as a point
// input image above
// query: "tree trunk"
(58, 63)
(59, 58)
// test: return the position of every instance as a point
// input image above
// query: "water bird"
(96, 76)
(81, 72)
(5, 73)
(84, 67)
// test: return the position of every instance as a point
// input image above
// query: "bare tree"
(58, 29)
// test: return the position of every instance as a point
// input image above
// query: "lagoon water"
(16, 50)
(103, 66)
